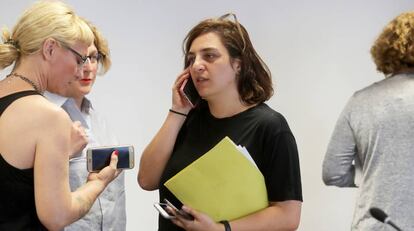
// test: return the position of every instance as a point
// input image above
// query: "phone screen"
(101, 157)
(190, 92)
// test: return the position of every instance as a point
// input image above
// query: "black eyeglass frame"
(85, 58)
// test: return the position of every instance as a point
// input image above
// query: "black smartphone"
(100, 157)
(190, 92)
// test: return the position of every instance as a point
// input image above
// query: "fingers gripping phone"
(100, 157)
(162, 209)
(190, 92)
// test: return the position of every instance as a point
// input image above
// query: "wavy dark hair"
(254, 82)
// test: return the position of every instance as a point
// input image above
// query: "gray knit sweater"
(372, 147)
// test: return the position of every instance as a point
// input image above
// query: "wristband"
(226, 225)
(178, 113)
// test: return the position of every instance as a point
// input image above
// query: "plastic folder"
(222, 183)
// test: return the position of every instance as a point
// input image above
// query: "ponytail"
(9, 50)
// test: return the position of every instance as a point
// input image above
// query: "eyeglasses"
(81, 60)
(236, 22)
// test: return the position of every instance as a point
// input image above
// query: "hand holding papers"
(222, 183)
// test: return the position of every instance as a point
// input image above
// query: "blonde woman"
(108, 212)
(48, 48)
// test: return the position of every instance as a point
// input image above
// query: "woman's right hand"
(179, 102)
(79, 139)
(109, 173)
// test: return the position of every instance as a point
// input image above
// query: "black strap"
(226, 225)
(8, 99)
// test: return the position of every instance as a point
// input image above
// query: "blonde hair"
(393, 51)
(43, 20)
(102, 46)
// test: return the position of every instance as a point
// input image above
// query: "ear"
(49, 48)
(236, 65)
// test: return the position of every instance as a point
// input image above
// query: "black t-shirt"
(263, 131)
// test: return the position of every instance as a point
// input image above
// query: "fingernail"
(116, 152)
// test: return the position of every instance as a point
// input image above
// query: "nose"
(87, 66)
(198, 65)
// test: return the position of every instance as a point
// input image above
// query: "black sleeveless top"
(17, 202)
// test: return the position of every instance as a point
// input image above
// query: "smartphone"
(180, 212)
(190, 92)
(100, 157)
(162, 209)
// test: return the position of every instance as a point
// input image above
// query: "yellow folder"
(222, 183)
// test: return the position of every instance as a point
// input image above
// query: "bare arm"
(278, 216)
(55, 204)
(157, 153)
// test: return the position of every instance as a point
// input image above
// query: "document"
(223, 183)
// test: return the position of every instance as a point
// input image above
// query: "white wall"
(318, 52)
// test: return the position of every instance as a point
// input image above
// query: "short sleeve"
(282, 173)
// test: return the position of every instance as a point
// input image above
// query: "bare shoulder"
(41, 112)
(51, 114)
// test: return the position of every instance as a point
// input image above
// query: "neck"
(226, 103)
(227, 108)
(78, 101)
(404, 71)
(30, 68)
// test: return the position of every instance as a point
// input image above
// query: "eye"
(79, 61)
(210, 56)
(94, 58)
(189, 61)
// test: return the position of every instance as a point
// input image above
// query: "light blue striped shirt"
(108, 212)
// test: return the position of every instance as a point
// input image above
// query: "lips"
(201, 79)
(85, 81)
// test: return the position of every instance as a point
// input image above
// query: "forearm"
(83, 198)
(338, 174)
(157, 153)
(60, 211)
(278, 216)
(337, 168)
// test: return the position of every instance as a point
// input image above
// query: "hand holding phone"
(100, 157)
(163, 210)
(190, 92)
(179, 212)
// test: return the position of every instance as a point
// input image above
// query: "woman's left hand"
(201, 222)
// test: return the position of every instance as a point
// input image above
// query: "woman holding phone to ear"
(48, 48)
(234, 83)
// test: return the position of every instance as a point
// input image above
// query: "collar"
(59, 100)
(69, 105)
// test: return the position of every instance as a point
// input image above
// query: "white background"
(318, 52)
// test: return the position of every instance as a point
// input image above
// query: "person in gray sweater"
(372, 146)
